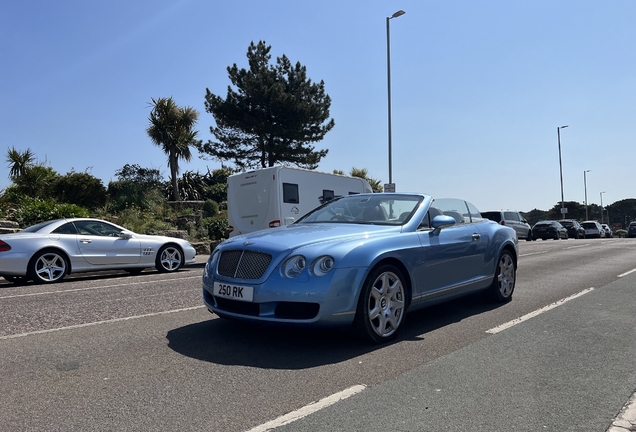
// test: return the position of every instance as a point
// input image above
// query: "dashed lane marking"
(537, 312)
(93, 288)
(90, 324)
(308, 409)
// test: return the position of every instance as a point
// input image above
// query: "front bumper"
(330, 300)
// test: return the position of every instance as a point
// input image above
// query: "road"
(140, 353)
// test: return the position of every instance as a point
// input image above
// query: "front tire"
(529, 236)
(169, 259)
(48, 266)
(503, 283)
(382, 304)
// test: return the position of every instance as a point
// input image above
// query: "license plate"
(234, 292)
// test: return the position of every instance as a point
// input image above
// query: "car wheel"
(16, 280)
(529, 236)
(503, 284)
(48, 266)
(382, 304)
(169, 259)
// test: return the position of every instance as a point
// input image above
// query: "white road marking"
(533, 253)
(98, 323)
(626, 273)
(93, 288)
(575, 247)
(308, 409)
(537, 312)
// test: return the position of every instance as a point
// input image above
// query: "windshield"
(378, 209)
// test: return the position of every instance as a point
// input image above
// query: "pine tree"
(272, 115)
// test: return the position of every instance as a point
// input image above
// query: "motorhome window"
(327, 195)
(290, 193)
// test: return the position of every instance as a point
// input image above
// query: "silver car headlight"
(322, 265)
(294, 266)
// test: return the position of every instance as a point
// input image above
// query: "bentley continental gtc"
(363, 260)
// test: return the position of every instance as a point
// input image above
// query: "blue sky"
(478, 88)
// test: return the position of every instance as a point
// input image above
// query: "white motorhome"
(278, 196)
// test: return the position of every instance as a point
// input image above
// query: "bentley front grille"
(243, 264)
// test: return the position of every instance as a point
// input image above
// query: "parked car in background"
(608, 231)
(512, 219)
(575, 230)
(631, 230)
(593, 229)
(48, 251)
(365, 260)
(549, 229)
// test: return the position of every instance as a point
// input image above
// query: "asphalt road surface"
(139, 353)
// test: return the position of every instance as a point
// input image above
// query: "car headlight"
(294, 266)
(208, 270)
(322, 265)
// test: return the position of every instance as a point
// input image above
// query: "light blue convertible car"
(364, 260)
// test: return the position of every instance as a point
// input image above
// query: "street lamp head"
(398, 14)
(563, 127)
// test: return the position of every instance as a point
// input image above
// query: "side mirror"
(443, 221)
(126, 235)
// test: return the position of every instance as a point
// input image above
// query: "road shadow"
(229, 342)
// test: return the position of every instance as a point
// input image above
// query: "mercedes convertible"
(363, 260)
(47, 252)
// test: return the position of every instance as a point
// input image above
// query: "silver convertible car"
(48, 251)
(364, 260)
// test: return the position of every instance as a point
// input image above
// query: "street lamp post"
(602, 206)
(388, 75)
(561, 168)
(585, 183)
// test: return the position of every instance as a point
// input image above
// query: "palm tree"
(171, 128)
(19, 162)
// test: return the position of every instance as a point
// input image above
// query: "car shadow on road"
(229, 342)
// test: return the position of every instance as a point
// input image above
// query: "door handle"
(476, 236)
(85, 240)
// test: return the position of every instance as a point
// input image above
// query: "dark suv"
(511, 219)
(631, 230)
(575, 230)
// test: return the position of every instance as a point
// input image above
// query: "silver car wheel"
(385, 304)
(504, 282)
(48, 267)
(170, 259)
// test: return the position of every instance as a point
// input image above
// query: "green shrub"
(216, 192)
(211, 208)
(217, 227)
(35, 210)
(139, 221)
